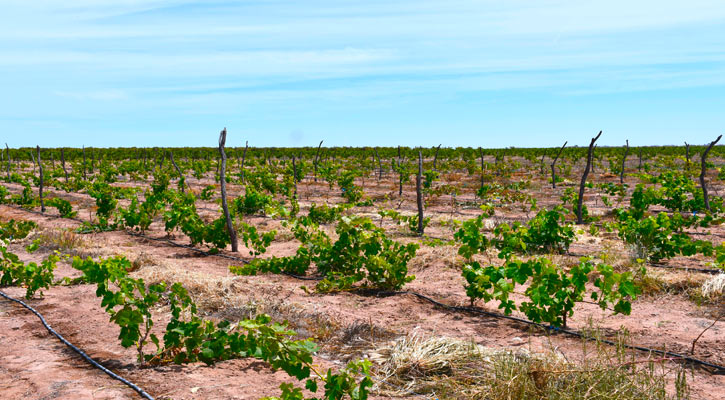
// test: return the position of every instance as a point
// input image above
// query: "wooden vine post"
(62, 163)
(380, 165)
(553, 165)
(244, 158)
(223, 181)
(435, 159)
(687, 153)
(317, 158)
(400, 175)
(32, 157)
(40, 187)
(294, 174)
(624, 160)
(483, 166)
(182, 181)
(580, 200)
(419, 192)
(84, 164)
(703, 168)
(8, 150)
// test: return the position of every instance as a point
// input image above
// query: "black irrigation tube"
(80, 352)
(717, 369)
(710, 367)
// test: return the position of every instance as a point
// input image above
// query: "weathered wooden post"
(580, 200)
(8, 150)
(703, 167)
(380, 165)
(624, 160)
(317, 158)
(244, 159)
(182, 181)
(40, 187)
(435, 159)
(553, 164)
(84, 163)
(419, 192)
(687, 153)
(62, 163)
(480, 152)
(223, 181)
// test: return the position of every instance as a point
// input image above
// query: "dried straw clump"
(210, 292)
(428, 256)
(414, 364)
(447, 368)
(714, 287)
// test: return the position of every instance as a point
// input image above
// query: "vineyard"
(363, 273)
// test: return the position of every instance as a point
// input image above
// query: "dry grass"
(229, 298)
(429, 256)
(659, 282)
(714, 288)
(447, 368)
(64, 240)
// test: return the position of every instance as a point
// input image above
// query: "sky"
(361, 73)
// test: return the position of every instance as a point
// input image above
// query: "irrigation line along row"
(713, 368)
(710, 367)
(80, 352)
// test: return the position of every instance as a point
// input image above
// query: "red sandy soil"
(34, 365)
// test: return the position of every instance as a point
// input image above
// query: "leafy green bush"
(63, 206)
(13, 229)
(362, 253)
(552, 291)
(252, 202)
(189, 338)
(35, 277)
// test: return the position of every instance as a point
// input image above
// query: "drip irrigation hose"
(716, 369)
(85, 356)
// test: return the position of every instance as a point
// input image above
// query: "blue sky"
(291, 73)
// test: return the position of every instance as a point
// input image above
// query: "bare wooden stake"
(84, 164)
(32, 157)
(553, 164)
(182, 181)
(40, 187)
(624, 160)
(419, 192)
(8, 150)
(380, 165)
(317, 158)
(580, 200)
(62, 163)
(687, 153)
(244, 159)
(294, 174)
(480, 152)
(223, 181)
(703, 168)
(435, 159)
